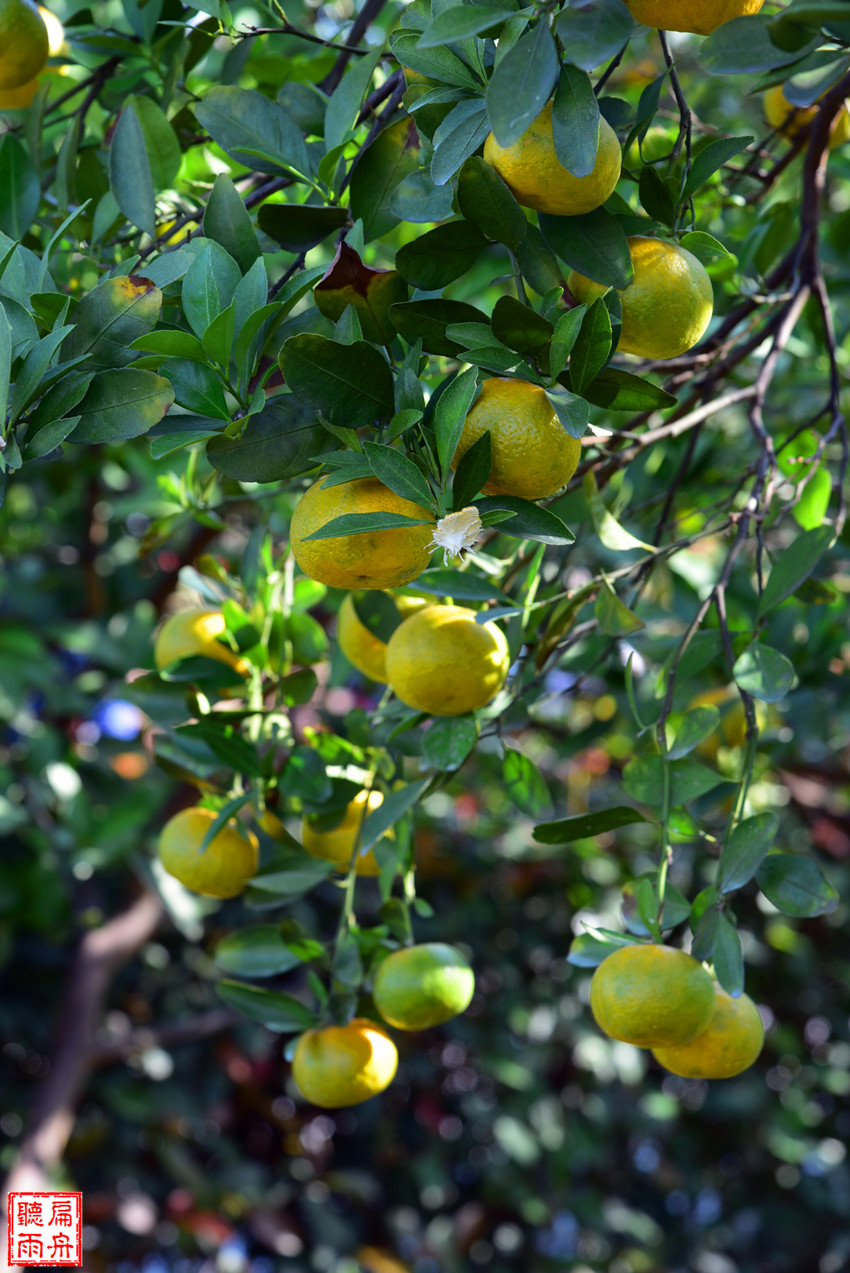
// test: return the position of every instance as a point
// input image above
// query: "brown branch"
(359, 27)
(101, 952)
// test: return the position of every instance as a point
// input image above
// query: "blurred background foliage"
(516, 1137)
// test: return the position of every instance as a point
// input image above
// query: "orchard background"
(172, 378)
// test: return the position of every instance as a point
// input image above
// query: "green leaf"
(485, 200)
(705, 931)
(592, 347)
(122, 404)
(764, 673)
(278, 1012)
(609, 530)
(439, 64)
(564, 338)
(793, 567)
(705, 247)
(161, 144)
(418, 200)
(587, 951)
(173, 344)
(743, 46)
(460, 585)
(745, 850)
(728, 957)
(522, 84)
(594, 244)
(527, 520)
(300, 876)
(427, 320)
(584, 825)
(575, 122)
(710, 159)
(130, 172)
(524, 783)
(363, 524)
(196, 387)
(655, 196)
(209, 286)
(350, 384)
(618, 390)
(796, 886)
(378, 612)
(472, 472)
(450, 413)
(256, 951)
(460, 134)
(640, 907)
(595, 33)
(253, 130)
(110, 318)
(613, 615)
(519, 326)
(434, 259)
(344, 106)
(5, 362)
(643, 779)
(698, 725)
(276, 443)
(448, 741)
(227, 222)
(460, 23)
(395, 805)
(20, 189)
(399, 473)
(300, 226)
(392, 156)
(812, 506)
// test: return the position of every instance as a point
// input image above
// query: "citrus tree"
(392, 403)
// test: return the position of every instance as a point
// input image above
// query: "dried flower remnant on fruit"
(457, 532)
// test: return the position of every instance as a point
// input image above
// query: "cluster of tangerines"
(443, 661)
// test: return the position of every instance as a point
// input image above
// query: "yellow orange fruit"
(533, 172)
(24, 42)
(698, 16)
(652, 996)
(531, 452)
(729, 1045)
(441, 661)
(377, 559)
(336, 844)
(224, 868)
(668, 304)
(422, 986)
(195, 632)
(789, 119)
(344, 1065)
(361, 647)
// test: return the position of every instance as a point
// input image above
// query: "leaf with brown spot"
(371, 292)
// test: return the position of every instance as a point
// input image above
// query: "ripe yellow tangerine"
(442, 662)
(344, 1065)
(698, 16)
(24, 42)
(226, 865)
(377, 559)
(532, 454)
(361, 647)
(668, 304)
(337, 844)
(195, 632)
(533, 172)
(730, 1044)
(651, 996)
(789, 119)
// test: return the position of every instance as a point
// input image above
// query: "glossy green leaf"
(643, 779)
(583, 825)
(796, 886)
(257, 951)
(300, 226)
(392, 156)
(527, 520)
(744, 851)
(699, 724)
(793, 567)
(350, 384)
(613, 615)
(594, 33)
(130, 177)
(228, 222)
(448, 741)
(253, 130)
(525, 783)
(20, 189)
(427, 321)
(278, 1012)
(728, 957)
(764, 673)
(594, 244)
(435, 259)
(522, 84)
(123, 403)
(575, 121)
(399, 473)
